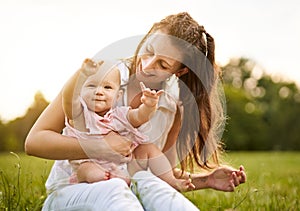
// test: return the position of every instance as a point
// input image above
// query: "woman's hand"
(223, 178)
(226, 178)
(113, 147)
(45, 140)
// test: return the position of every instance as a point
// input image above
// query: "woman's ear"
(181, 72)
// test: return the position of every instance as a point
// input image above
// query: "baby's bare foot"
(115, 172)
(183, 185)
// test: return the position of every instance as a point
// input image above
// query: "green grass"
(22, 180)
(273, 183)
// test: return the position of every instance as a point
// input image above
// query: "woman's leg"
(156, 194)
(112, 194)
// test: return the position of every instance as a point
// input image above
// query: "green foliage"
(13, 133)
(263, 111)
(2, 136)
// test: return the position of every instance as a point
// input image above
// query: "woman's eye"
(163, 65)
(149, 49)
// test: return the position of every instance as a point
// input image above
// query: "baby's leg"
(148, 155)
(91, 172)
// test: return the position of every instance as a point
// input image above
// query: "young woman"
(177, 55)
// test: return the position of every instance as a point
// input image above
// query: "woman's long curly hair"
(199, 138)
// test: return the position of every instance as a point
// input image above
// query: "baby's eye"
(91, 86)
(107, 87)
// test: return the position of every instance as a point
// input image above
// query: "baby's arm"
(143, 113)
(71, 91)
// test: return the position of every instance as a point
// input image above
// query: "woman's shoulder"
(124, 72)
(171, 87)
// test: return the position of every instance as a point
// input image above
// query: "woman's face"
(158, 59)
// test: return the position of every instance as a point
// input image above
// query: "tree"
(263, 113)
(15, 131)
(2, 135)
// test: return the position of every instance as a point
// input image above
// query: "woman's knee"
(118, 196)
(144, 175)
(113, 186)
(117, 182)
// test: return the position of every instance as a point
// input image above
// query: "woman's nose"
(149, 63)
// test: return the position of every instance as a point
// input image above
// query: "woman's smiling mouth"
(146, 74)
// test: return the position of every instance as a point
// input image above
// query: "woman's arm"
(223, 178)
(46, 141)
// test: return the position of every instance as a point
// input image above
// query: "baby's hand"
(150, 97)
(89, 67)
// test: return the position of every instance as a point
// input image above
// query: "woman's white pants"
(148, 193)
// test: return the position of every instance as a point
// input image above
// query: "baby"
(88, 100)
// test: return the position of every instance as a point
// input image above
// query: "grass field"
(273, 183)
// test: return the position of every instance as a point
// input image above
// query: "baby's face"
(100, 95)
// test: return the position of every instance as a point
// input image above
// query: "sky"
(43, 42)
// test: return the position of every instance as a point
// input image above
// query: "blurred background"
(257, 42)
